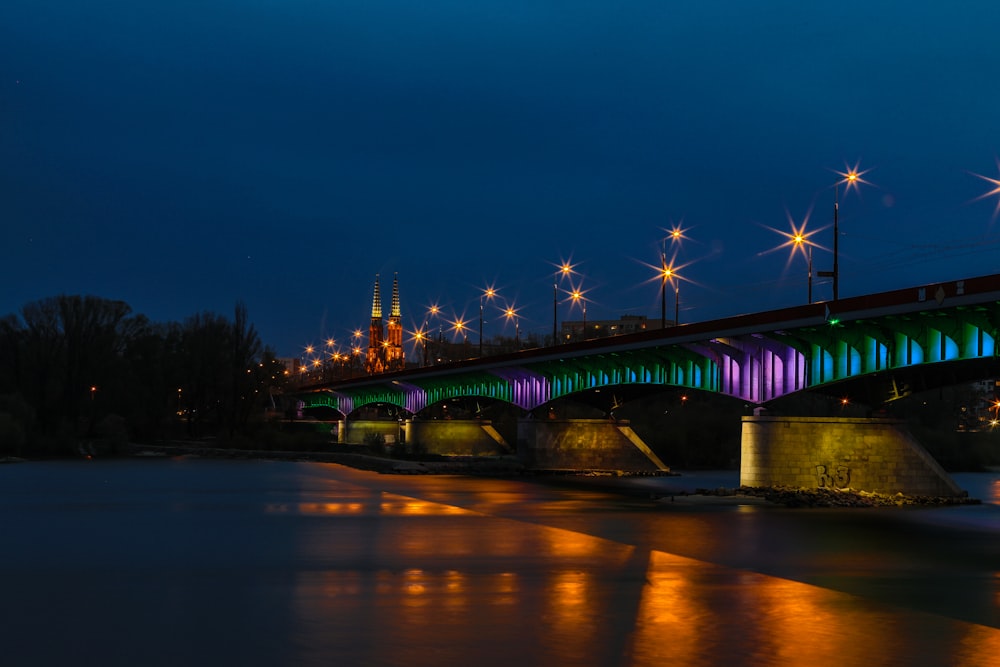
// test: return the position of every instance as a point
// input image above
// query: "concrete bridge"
(870, 349)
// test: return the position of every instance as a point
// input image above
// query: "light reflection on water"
(206, 563)
(678, 611)
(397, 507)
(586, 600)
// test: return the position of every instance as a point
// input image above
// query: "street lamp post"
(663, 286)
(578, 297)
(433, 311)
(565, 269)
(810, 279)
(677, 302)
(835, 273)
(356, 337)
(555, 311)
(488, 294)
(850, 179)
(511, 314)
(421, 338)
(460, 328)
(798, 241)
(667, 272)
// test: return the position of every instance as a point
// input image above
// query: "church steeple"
(395, 296)
(394, 358)
(377, 300)
(375, 360)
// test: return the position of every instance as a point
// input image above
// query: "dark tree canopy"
(81, 367)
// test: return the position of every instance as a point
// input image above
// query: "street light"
(798, 240)
(670, 273)
(332, 352)
(357, 334)
(488, 294)
(850, 178)
(565, 271)
(511, 314)
(420, 338)
(433, 311)
(577, 296)
(460, 327)
(663, 286)
(676, 235)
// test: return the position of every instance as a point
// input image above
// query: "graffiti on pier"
(839, 478)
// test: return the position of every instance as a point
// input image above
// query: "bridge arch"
(756, 358)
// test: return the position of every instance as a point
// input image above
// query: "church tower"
(394, 359)
(375, 361)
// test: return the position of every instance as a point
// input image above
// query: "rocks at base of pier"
(799, 497)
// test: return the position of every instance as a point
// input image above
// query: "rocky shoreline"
(797, 497)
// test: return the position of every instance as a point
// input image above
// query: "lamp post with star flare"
(850, 178)
(565, 270)
(487, 294)
(668, 273)
(799, 240)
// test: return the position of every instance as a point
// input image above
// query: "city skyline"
(183, 161)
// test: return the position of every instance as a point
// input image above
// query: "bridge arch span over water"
(756, 358)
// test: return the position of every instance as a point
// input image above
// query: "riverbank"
(504, 465)
(613, 481)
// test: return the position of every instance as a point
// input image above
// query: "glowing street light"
(676, 235)
(577, 297)
(487, 294)
(420, 338)
(565, 270)
(459, 326)
(670, 274)
(799, 240)
(356, 337)
(433, 311)
(663, 286)
(851, 179)
(511, 314)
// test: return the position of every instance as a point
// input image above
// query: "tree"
(202, 363)
(244, 347)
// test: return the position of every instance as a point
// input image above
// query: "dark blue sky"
(182, 156)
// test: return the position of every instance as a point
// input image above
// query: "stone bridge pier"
(447, 437)
(542, 444)
(584, 444)
(875, 455)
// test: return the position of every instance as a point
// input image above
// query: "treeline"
(82, 370)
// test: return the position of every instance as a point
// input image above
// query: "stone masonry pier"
(877, 455)
(584, 444)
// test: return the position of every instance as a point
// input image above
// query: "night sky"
(183, 156)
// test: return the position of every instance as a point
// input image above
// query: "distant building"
(385, 353)
(626, 324)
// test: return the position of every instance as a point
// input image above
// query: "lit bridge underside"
(873, 348)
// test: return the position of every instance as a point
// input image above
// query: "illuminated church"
(385, 348)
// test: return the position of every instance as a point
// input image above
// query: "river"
(189, 561)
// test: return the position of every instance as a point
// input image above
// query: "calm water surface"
(198, 562)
